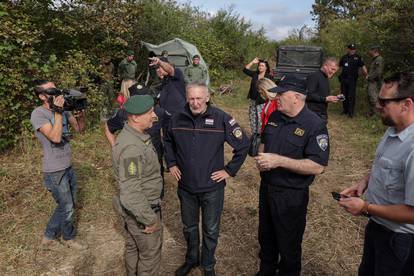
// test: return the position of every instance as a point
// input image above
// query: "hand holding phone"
(338, 196)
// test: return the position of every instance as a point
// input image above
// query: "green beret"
(139, 104)
(130, 53)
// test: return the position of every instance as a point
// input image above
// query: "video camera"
(74, 99)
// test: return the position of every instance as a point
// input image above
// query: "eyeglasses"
(384, 101)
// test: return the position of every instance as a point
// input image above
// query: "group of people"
(184, 128)
(317, 84)
(193, 137)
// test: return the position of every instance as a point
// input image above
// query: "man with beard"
(319, 92)
(389, 187)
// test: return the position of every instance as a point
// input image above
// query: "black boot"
(185, 269)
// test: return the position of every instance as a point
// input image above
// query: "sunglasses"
(384, 101)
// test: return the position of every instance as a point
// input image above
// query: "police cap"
(138, 89)
(376, 47)
(351, 46)
(139, 104)
(290, 83)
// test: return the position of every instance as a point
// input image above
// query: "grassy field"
(332, 242)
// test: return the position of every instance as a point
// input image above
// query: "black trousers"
(386, 253)
(282, 220)
(348, 88)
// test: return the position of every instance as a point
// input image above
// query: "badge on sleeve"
(237, 133)
(322, 141)
(131, 167)
(232, 122)
(299, 132)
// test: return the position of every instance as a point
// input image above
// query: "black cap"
(375, 47)
(351, 46)
(290, 83)
(138, 89)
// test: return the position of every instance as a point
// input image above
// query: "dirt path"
(332, 241)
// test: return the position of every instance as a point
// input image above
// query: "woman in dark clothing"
(256, 102)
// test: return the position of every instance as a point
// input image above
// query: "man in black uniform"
(194, 148)
(319, 92)
(350, 64)
(295, 148)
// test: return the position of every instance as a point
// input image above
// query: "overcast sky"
(278, 17)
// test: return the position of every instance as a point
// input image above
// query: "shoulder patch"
(322, 141)
(237, 133)
(131, 167)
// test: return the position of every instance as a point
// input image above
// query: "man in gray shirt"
(52, 130)
(389, 187)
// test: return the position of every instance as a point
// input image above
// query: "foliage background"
(64, 41)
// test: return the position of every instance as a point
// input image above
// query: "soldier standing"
(374, 78)
(138, 175)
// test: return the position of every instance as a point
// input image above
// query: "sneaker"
(74, 244)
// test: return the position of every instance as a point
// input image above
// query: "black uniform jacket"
(350, 66)
(196, 145)
(318, 88)
(304, 136)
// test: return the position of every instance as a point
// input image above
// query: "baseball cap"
(290, 83)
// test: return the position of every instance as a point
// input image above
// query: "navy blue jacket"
(172, 95)
(196, 145)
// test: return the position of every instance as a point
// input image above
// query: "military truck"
(298, 60)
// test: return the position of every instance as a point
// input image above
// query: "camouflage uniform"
(138, 174)
(374, 81)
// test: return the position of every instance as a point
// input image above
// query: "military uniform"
(137, 172)
(350, 65)
(127, 69)
(374, 81)
(195, 73)
(284, 195)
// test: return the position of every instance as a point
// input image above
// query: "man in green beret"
(127, 68)
(138, 175)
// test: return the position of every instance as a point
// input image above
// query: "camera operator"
(50, 123)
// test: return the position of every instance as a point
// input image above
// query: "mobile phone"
(338, 196)
(341, 97)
